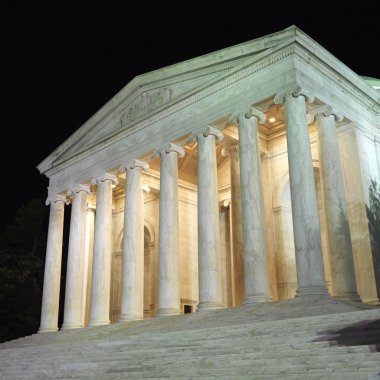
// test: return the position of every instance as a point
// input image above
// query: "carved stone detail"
(133, 164)
(170, 147)
(257, 113)
(207, 131)
(77, 189)
(228, 147)
(105, 177)
(295, 91)
(324, 110)
(147, 102)
(252, 111)
(53, 198)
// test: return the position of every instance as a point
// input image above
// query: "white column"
(72, 318)
(101, 267)
(88, 258)
(168, 248)
(209, 259)
(132, 295)
(256, 277)
(307, 240)
(338, 229)
(236, 224)
(53, 259)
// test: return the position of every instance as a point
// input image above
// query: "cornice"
(339, 74)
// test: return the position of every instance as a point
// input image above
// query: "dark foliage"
(22, 254)
(373, 215)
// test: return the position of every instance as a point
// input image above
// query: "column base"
(204, 306)
(252, 299)
(98, 323)
(313, 292)
(168, 312)
(71, 327)
(47, 329)
(347, 296)
(130, 318)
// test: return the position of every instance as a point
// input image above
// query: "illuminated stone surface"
(166, 245)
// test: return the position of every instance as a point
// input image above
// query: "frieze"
(147, 102)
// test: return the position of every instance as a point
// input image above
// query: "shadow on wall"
(364, 333)
(373, 216)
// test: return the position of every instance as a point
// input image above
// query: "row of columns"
(308, 251)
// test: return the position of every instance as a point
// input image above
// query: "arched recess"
(286, 272)
(150, 274)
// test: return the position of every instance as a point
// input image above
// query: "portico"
(234, 178)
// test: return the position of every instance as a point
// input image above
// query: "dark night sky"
(58, 67)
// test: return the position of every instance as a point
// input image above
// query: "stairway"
(293, 339)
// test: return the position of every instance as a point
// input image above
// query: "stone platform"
(323, 339)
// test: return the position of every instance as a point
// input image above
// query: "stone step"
(227, 357)
(244, 342)
(92, 334)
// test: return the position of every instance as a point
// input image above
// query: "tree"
(373, 216)
(22, 253)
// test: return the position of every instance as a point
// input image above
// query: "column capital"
(135, 163)
(209, 130)
(170, 147)
(77, 189)
(104, 177)
(323, 111)
(225, 203)
(228, 147)
(251, 112)
(91, 206)
(54, 198)
(294, 91)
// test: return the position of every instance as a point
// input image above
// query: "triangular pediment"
(152, 92)
(149, 99)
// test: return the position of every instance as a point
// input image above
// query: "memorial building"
(241, 176)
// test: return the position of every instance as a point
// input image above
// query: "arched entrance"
(150, 275)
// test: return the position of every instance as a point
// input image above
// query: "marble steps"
(252, 348)
(190, 346)
(215, 368)
(290, 308)
(272, 330)
(226, 358)
(181, 323)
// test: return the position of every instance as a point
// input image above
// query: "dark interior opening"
(187, 309)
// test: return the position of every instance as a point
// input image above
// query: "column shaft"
(168, 250)
(52, 276)
(307, 240)
(338, 229)
(72, 318)
(102, 259)
(256, 280)
(89, 254)
(209, 260)
(237, 227)
(132, 301)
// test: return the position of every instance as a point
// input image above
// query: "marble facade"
(240, 176)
